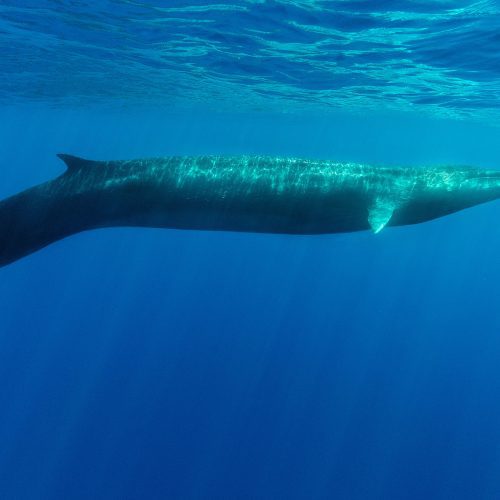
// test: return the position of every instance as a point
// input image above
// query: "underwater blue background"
(143, 363)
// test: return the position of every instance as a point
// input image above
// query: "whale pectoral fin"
(380, 214)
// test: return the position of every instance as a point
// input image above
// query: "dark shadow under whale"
(245, 193)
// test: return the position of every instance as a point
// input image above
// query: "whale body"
(245, 193)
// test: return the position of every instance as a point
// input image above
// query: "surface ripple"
(441, 57)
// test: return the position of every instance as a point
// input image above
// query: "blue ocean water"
(161, 364)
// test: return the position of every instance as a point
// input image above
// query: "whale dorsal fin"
(75, 163)
(380, 213)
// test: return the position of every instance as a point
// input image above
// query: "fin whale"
(246, 193)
